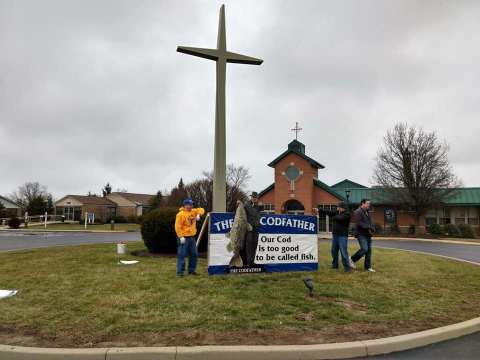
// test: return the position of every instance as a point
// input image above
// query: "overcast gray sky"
(94, 91)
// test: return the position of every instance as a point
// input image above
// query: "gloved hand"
(198, 217)
(182, 240)
(249, 227)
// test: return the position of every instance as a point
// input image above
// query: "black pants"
(251, 242)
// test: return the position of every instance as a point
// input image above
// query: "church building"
(297, 189)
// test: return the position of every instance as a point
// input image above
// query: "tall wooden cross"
(297, 130)
(222, 57)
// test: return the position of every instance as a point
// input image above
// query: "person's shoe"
(351, 263)
(180, 275)
(192, 273)
(371, 270)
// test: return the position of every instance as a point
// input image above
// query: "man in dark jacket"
(252, 210)
(341, 222)
(364, 231)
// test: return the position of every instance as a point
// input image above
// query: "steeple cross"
(297, 130)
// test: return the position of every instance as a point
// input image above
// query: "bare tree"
(201, 190)
(412, 169)
(32, 197)
(237, 181)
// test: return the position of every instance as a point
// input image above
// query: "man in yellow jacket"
(186, 229)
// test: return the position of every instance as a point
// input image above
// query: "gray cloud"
(92, 92)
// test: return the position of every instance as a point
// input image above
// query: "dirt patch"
(310, 316)
(347, 304)
(330, 334)
(146, 253)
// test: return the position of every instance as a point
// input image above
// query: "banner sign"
(285, 243)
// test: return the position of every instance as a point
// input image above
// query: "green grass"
(68, 226)
(79, 296)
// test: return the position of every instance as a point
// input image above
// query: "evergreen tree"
(107, 189)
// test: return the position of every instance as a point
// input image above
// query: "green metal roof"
(347, 184)
(464, 196)
(296, 147)
(461, 196)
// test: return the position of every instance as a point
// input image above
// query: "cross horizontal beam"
(215, 54)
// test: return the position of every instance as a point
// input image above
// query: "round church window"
(292, 173)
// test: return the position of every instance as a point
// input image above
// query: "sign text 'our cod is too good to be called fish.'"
(284, 243)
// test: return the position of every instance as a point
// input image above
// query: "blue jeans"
(188, 249)
(365, 243)
(340, 243)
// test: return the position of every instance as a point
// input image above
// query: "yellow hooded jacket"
(186, 222)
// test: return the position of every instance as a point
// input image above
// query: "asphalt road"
(465, 348)
(13, 240)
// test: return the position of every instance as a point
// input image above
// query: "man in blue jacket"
(364, 232)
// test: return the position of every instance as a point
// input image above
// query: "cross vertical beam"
(221, 56)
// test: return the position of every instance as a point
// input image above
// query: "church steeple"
(297, 146)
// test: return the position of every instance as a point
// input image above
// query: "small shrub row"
(460, 230)
(14, 223)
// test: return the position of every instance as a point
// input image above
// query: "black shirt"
(253, 214)
(341, 221)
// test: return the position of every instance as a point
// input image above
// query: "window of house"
(444, 220)
(430, 220)
(322, 219)
(269, 208)
(460, 220)
(473, 221)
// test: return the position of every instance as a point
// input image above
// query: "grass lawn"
(79, 296)
(68, 226)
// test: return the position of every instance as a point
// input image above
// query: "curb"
(344, 350)
(30, 230)
(255, 352)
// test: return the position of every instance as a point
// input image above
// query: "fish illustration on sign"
(237, 235)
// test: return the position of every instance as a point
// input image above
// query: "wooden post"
(202, 229)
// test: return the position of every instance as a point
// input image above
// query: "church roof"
(297, 148)
(348, 184)
(266, 190)
(328, 189)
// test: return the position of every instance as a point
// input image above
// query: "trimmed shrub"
(412, 229)
(452, 230)
(158, 231)
(14, 223)
(435, 229)
(134, 219)
(466, 231)
(394, 229)
(378, 229)
(119, 219)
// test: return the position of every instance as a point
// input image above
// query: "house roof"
(7, 203)
(139, 199)
(348, 184)
(297, 148)
(90, 200)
